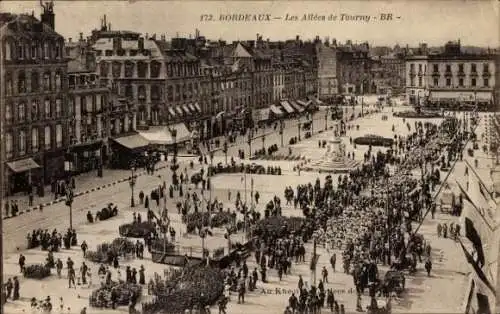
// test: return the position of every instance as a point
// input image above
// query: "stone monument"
(334, 160)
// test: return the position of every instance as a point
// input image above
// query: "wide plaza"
(443, 292)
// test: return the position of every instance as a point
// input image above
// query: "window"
(22, 142)
(486, 68)
(155, 92)
(155, 67)
(141, 92)
(420, 81)
(412, 67)
(132, 53)
(46, 81)
(9, 147)
(20, 51)
(58, 81)
(58, 108)
(486, 82)
(59, 136)
(35, 81)
(21, 82)
(34, 110)
(142, 69)
(448, 82)
(448, 68)
(461, 82)
(34, 50)
(8, 84)
(71, 106)
(436, 82)
(473, 68)
(129, 91)
(21, 112)
(89, 103)
(109, 53)
(8, 52)
(473, 82)
(46, 51)
(461, 68)
(8, 113)
(117, 69)
(34, 140)
(48, 111)
(47, 138)
(98, 99)
(129, 69)
(170, 92)
(435, 68)
(104, 67)
(419, 68)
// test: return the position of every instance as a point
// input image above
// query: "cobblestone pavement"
(442, 292)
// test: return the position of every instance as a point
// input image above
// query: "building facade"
(133, 66)
(416, 79)
(457, 79)
(89, 100)
(328, 70)
(36, 115)
(354, 68)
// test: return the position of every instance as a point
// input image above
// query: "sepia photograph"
(248, 157)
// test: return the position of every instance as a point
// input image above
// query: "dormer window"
(133, 53)
(120, 52)
(109, 53)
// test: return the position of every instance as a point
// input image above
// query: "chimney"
(109, 27)
(163, 37)
(48, 17)
(147, 36)
(297, 38)
(104, 23)
(140, 44)
(70, 40)
(81, 36)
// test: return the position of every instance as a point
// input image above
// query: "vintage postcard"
(297, 157)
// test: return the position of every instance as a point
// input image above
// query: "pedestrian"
(8, 288)
(84, 248)
(333, 261)
(59, 266)
(22, 261)
(15, 295)
(428, 267)
(141, 197)
(324, 272)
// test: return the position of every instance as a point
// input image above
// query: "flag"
(473, 236)
(477, 269)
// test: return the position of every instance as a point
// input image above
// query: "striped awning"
(296, 106)
(22, 165)
(171, 111)
(186, 109)
(286, 105)
(179, 111)
(304, 103)
(192, 108)
(277, 111)
(197, 106)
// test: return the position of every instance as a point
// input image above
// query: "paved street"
(443, 292)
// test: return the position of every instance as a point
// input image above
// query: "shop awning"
(197, 106)
(304, 103)
(179, 111)
(132, 141)
(277, 111)
(171, 111)
(192, 108)
(89, 146)
(186, 109)
(261, 114)
(23, 165)
(296, 106)
(286, 105)
(183, 133)
(158, 136)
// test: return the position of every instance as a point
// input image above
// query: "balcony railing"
(486, 73)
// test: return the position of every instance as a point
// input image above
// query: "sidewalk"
(85, 183)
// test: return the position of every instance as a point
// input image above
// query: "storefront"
(275, 113)
(22, 175)
(87, 157)
(260, 116)
(285, 104)
(127, 148)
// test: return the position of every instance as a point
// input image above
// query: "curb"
(62, 199)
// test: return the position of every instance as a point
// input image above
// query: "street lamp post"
(281, 131)
(326, 118)
(298, 128)
(263, 141)
(132, 183)
(69, 193)
(250, 143)
(225, 150)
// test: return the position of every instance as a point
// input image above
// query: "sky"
(432, 22)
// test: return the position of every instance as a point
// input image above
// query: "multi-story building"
(388, 73)
(133, 66)
(416, 79)
(328, 70)
(278, 81)
(458, 78)
(354, 67)
(89, 101)
(37, 118)
(183, 86)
